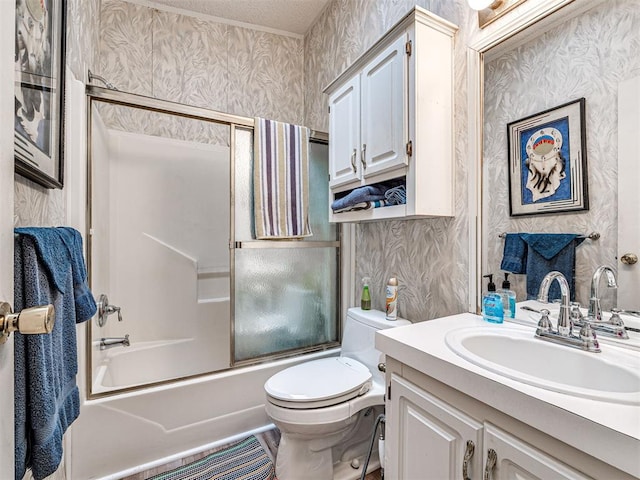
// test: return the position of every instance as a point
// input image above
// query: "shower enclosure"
(184, 288)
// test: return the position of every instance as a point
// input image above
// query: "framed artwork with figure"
(548, 161)
(39, 90)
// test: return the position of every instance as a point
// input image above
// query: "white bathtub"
(145, 362)
(126, 433)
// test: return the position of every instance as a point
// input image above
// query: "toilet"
(326, 409)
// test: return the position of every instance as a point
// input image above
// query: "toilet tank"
(358, 338)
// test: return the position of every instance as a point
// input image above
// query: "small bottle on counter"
(492, 310)
(365, 300)
(508, 298)
(392, 299)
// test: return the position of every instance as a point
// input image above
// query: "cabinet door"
(427, 438)
(384, 110)
(344, 132)
(517, 460)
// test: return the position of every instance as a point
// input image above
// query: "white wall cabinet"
(429, 438)
(391, 118)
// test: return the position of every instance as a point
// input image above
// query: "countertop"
(607, 431)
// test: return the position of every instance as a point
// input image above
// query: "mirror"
(586, 55)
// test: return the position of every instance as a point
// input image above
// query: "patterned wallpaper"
(35, 205)
(585, 57)
(430, 257)
(199, 62)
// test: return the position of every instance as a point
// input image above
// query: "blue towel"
(367, 193)
(57, 249)
(514, 256)
(46, 396)
(548, 252)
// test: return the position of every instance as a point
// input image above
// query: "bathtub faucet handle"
(104, 310)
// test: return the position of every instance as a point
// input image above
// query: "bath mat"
(245, 460)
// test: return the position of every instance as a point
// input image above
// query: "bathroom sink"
(612, 376)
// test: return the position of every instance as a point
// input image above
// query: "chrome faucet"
(595, 311)
(114, 342)
(563, 335)
(564, 323)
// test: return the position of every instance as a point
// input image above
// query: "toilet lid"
(317, 383)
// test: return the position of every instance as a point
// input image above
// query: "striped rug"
(245, 460)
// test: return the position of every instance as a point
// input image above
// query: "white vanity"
(451, 414)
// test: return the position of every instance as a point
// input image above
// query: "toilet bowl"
(326, 409)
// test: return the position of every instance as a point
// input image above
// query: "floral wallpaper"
(430, 257)
(585, 57)
(35, 205)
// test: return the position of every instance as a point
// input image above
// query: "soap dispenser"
(508, 298)
(365, 300)
(492, 310)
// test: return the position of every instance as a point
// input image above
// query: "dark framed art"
(39, 90)
(548, 161)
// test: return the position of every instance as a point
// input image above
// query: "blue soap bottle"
(492, 310)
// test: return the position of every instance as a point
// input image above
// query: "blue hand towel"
(57, 249)
(367, 193)
(514, 256)
(46, 396)
(548, 252)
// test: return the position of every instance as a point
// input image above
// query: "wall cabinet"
(391, 118)
(428, 438)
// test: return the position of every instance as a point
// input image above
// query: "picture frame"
(547, 157)
(39, 91)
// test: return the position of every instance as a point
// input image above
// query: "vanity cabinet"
(434, 432)
(391, 118)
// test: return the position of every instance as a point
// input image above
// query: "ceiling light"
(490, 10)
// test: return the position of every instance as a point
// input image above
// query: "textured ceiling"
(294, 16)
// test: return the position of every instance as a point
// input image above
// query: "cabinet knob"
(629, 259)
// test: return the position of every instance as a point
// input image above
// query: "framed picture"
(548, 161)
(39, 90)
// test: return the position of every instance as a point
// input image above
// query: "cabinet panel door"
(427, 438)
(344, 132)
(517, 460)
(384, 109)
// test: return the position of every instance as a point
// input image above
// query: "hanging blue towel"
(48, 266)
(514, 256)
(548, 252)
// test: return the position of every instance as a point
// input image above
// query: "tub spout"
(114, 342)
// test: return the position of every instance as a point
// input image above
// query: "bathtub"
(145, 362)
(126, 433)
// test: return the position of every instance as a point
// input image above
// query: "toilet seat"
(319, 383)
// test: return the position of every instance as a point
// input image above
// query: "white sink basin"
(613, 375)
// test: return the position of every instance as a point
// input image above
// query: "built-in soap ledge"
(377, 201)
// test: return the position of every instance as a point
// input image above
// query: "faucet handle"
(544, 324)
(575, 315)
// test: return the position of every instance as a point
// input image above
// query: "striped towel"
(281, 180)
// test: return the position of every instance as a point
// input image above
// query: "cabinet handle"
(363, 155)
(353, 160)
(468, 453)
(492, 458)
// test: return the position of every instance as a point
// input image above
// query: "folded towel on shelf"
(363, 206)
(548, 252)
(396, 195)
(367, 193)
(281, 180)
(514, 255)
(48, 268)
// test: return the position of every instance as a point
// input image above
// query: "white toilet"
(326, 409)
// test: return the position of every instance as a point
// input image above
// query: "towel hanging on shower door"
(281, 180)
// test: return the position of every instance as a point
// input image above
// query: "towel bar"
(591, 236)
